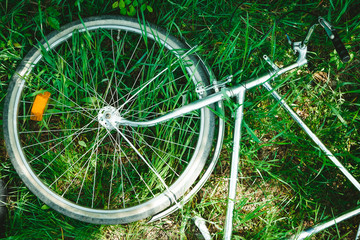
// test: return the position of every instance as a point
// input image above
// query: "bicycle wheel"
(74, 162)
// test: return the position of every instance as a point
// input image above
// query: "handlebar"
(333, 35)
(340, 48)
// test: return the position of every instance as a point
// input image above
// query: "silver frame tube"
(234, 166)
(322, 226)
(313, 137)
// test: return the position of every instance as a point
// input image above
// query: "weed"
(130, 7)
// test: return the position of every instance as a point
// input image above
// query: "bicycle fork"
(234, 165)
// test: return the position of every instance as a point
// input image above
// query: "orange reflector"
(39, 105)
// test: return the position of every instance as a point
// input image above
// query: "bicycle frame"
(239, 92)
(213, 98)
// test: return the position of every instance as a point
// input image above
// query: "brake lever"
(333, 35)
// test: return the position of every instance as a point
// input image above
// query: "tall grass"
(285, 183)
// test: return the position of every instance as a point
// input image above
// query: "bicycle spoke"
(160, 139)
(78, 74)
(82, 156)
(135, 169)
(148, 164)
(152, 79)
(56, 130)
(157, 154)
(66, 98)
(160, 85)
(57, 139)
(77, 133)
(54, 113)
(113, 74)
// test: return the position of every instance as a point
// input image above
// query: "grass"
(286, 184)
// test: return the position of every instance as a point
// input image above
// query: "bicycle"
(88, 155)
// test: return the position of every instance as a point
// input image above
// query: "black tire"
(165, 159)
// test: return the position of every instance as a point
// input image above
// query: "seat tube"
(234, 165)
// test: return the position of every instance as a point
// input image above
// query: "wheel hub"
(109, 117)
